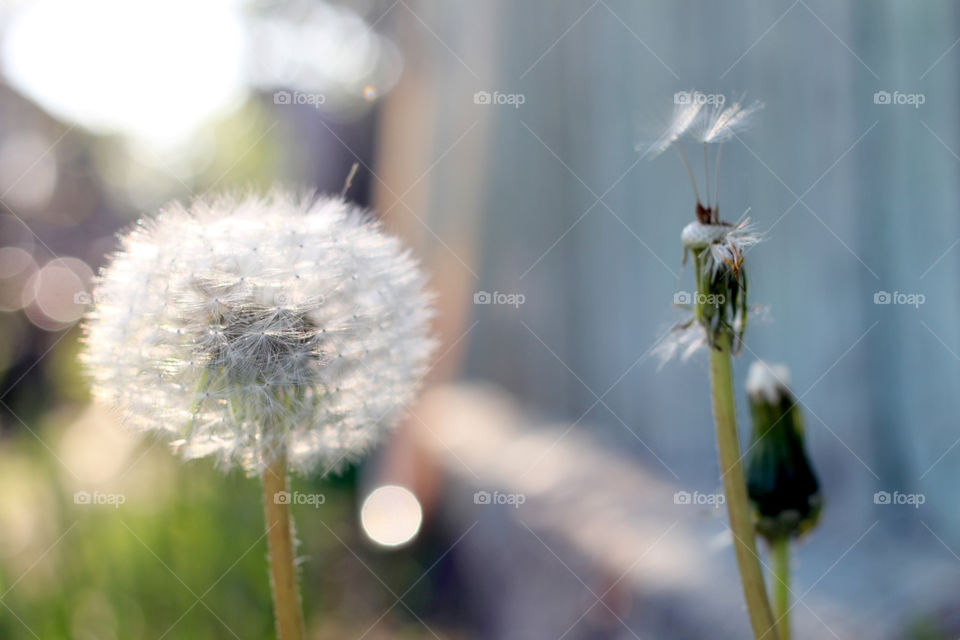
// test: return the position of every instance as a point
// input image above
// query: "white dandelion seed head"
(768, 381)
(243, 328)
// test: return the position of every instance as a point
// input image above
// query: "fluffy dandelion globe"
(249, 328)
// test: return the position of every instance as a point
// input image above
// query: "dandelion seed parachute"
(685, 116)
(243, 328)
(717, 125)
(697, 122)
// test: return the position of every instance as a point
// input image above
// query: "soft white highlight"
(243, 328)
(768, 381)
(697, 235)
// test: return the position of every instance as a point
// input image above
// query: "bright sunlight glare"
(154, 70)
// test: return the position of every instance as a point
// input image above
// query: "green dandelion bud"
(780, 479)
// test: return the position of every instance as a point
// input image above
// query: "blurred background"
(541, 465)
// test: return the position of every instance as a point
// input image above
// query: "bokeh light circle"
(391, 516)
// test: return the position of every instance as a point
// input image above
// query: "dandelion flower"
(718, 319)
(718, 247)
(248, 328)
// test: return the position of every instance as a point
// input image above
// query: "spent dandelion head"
(723, 245)
(717, 246)
(251, 328)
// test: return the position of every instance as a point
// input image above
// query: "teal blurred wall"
(857, 197)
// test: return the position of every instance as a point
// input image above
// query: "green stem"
(283, 570)
(735, 491)
(780, 558)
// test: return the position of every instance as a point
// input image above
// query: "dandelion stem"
(283, 571)
(716, 181)
(735, 490)
(780, 558)
(686, 164)
(706, 173)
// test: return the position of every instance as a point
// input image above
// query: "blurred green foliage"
(184, 555)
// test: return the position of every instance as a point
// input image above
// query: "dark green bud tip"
(780, 479)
